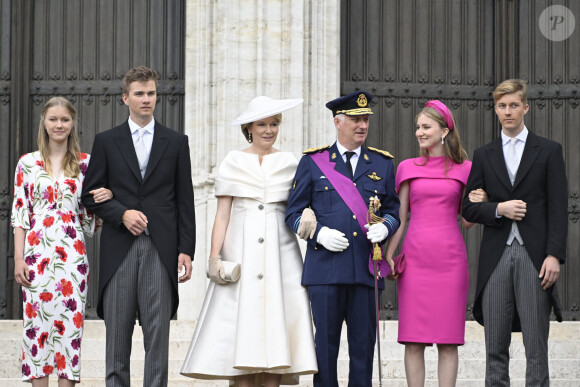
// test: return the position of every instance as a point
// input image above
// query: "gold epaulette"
(381, 152)
(317, 149)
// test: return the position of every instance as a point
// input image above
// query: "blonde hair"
(247, 125)
(452, 146)
(511, 86)
(70, 161)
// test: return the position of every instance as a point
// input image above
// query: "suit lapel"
(336, 158)
(531, 151)
(157, 148)
(496, 159)
(127, 149)
(363, 164)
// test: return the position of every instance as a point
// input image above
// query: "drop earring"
(250, 138)
(442, 140)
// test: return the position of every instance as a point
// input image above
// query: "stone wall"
(235, 51)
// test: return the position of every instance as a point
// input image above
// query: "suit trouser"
(331, 305)
(140, 284)
(513, 287)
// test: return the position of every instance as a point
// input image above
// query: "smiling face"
(264, 132)
(510, 110)
(352, 130)
(141, 98)
(58, 123)
(429, 134)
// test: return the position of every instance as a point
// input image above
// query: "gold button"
(355, 184)
(326, 188)
(376, 191)
(354, 217)
(316, 248)
(354, 234)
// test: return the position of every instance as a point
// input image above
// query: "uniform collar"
(342, 150)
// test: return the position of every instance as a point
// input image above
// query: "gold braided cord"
(355, 111)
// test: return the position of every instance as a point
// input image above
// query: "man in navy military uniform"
(337, 182)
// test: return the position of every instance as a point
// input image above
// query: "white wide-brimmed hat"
(263, 107)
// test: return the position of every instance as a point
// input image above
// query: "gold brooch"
(375, 177)
(333, 156)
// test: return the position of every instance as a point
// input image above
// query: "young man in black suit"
(524, 237)
(148, 234)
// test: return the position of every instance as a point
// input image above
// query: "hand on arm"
(550, 271)
(135, 221)
(101, 194)
(475, 196)
(478, 196)
(307, 227)
(21, 269)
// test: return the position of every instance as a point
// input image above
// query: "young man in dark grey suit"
(524, 237)
(148, 234)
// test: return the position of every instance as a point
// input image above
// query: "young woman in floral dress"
(50, 260)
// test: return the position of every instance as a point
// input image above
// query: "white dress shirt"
(147, 137)
(353, 159)
(519, 148)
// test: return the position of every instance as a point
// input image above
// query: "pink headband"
(443, 110)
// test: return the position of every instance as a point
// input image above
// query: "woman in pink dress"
(433, 288)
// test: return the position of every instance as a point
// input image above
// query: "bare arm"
(20, 266)
(394, 241)
(220, 225)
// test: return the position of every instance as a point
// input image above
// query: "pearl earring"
(250, 138)
(442, 140)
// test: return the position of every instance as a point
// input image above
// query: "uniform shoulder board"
(381, 152)
(317, 149)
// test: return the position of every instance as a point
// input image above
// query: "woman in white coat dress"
(257, 330)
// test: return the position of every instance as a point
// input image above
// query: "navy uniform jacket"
(312, 189)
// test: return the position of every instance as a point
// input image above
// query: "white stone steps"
(564, 347)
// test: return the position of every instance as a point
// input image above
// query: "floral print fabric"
(51, 212)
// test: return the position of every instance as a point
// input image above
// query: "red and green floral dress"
(54, 306)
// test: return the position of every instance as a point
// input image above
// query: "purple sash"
(351, 197)
(345, 188)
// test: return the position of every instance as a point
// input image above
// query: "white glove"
(216, 270)
(307, 226)
(377, 232)
(331, 239)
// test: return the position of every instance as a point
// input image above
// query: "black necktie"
(348, 164)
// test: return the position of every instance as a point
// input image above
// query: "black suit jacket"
(541, 184)
(164, 195)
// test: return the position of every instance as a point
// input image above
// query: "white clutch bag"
(232, 271)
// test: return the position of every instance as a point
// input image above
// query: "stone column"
(237, 50)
